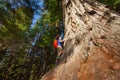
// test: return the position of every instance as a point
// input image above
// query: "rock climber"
(58, 44)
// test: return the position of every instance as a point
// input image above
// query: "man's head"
(57, 37)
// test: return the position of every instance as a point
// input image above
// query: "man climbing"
(59, 47)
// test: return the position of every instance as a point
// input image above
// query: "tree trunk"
(92, 48)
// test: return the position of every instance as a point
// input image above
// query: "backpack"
(55, 43)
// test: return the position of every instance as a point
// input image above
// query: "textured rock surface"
(92, 48)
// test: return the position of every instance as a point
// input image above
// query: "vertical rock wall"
(92, 46)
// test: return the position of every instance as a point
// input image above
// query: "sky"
(37, 13)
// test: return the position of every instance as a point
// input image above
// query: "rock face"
(92, 46)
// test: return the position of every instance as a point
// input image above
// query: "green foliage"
(15, 35)
(113, 3)
(16, 23)
(53, 12)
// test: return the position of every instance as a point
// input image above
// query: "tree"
(92, 46)
(14, 23)
(24, 54)
(14, 26)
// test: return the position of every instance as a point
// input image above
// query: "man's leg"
(60, 51)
